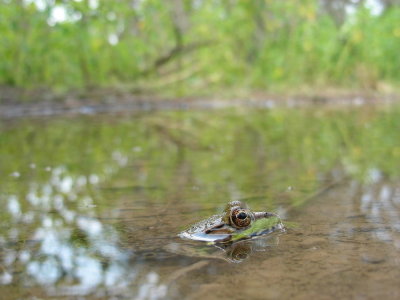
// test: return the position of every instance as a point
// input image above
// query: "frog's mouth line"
(220, 229)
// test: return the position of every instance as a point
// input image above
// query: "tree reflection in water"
(89, 206)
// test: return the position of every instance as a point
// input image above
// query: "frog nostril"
(242, 215)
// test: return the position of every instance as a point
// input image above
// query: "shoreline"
(14, 104)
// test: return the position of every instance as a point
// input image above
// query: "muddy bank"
(15, 103)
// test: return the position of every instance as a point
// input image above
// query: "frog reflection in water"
(231, 230)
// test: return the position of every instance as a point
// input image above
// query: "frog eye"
(240, 218)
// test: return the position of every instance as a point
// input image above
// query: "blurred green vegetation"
(207, 157)
(199, 46)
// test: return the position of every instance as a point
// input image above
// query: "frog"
(236, 223)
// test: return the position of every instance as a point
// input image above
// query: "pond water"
(91, 206)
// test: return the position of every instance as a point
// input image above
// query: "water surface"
(92, 205)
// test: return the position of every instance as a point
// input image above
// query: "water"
(91, 206)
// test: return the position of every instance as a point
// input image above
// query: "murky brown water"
(92, 206)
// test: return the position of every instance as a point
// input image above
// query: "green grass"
(255, 45)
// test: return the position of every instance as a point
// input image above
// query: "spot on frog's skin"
(235, 223)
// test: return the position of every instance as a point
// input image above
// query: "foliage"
(186, 45)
